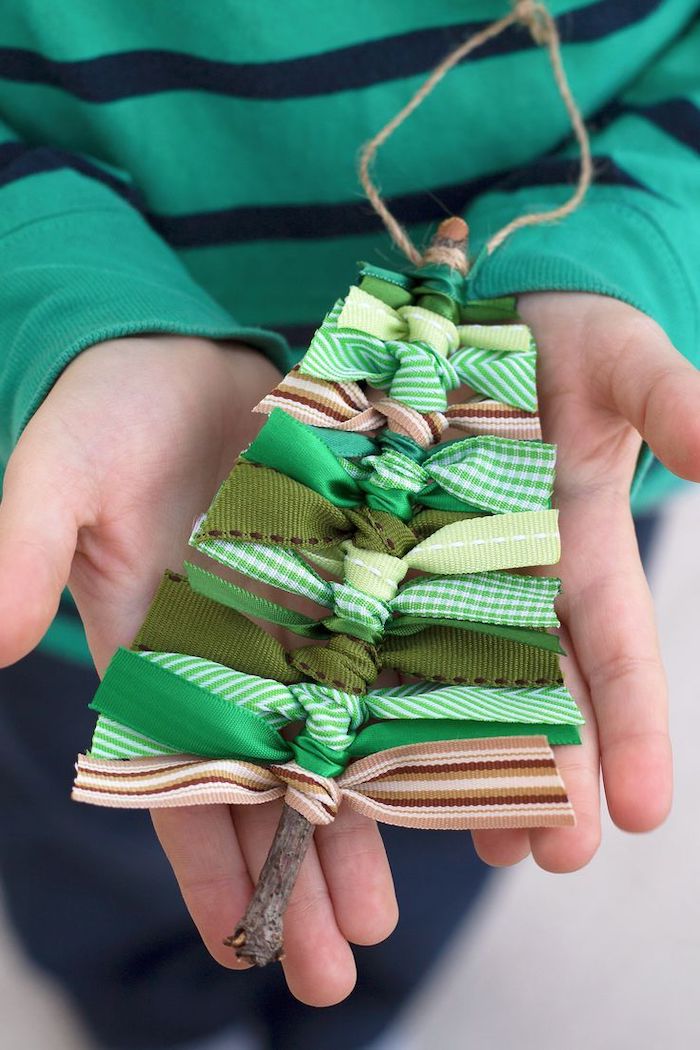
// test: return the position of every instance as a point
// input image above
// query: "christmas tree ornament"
(399, 483)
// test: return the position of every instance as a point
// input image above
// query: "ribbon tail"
(510, 782)
(172, 780)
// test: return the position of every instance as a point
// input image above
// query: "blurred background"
(609, 956)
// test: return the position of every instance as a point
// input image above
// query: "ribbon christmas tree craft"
(416, 556)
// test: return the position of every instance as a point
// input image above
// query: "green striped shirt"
(190, 167)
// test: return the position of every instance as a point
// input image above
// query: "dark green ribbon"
(295, 449)
(181, 715)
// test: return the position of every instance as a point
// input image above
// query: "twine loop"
(543, 29)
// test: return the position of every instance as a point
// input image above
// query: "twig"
(258, 937)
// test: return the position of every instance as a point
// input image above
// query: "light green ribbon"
(369, 599)
(419, 356)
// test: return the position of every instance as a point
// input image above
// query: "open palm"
(132, 443)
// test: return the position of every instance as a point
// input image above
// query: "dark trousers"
(93, 901)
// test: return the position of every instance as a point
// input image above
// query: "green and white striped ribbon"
(504, 376)
(333, 716)
(363, 338)
(414, 373)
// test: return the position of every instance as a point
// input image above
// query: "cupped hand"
(100, 494)
(607, 374)
(131, 444)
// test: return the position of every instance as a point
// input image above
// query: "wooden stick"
(258, 937)
(450, 245)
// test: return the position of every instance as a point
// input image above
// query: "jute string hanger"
(544, 32)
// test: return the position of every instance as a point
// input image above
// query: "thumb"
(658, 391)
(38, 534)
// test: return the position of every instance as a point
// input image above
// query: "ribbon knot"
(316, 797)
(348, 664)
(357, 612)
(440, 784)
(422, 377)
(469, 470)
(390, 480)
(418, 356)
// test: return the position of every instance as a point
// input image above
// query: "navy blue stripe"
(127, 74)
(310, 221)
(677, 117)
(297, 335)
(68, 610)
(318, 221)
(17, 161)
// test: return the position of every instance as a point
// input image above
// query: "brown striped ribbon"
(503, 782)
(345, 406)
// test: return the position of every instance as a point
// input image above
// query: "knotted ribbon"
(362, 338)
(213, 624)
(484, 473)
(345, 406)
(506, 782)
(153, 703)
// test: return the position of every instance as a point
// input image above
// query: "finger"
(200, 843)
(502, 847)
(318, 963)
(653, 386)
(38, 534)
(568, 849)
(355, 866)
(607, 605)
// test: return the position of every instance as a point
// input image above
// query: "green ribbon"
(180, 714)
(443, 651)
(418, 354)
(182, 620)
(496, 475)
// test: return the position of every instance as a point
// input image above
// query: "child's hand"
(131, 444)
(101, 493)
(607, 373)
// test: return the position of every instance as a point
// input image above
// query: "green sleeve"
(637, 235)
(78, 265)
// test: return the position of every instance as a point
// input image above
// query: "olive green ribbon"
(210, 626)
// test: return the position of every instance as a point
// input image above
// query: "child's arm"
(79, 264)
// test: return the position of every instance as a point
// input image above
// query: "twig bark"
(258, 937)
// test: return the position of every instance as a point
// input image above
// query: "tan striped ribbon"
(503, 782)
(344, 406)
(494, 417)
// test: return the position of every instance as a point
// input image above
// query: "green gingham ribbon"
(493, 474)
(489, 473)
(487, 597)
(331, 716)
(363, 338)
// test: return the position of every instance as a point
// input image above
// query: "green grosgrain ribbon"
(197, 707)
(443, 650)
(419, 355)
(493, 474)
